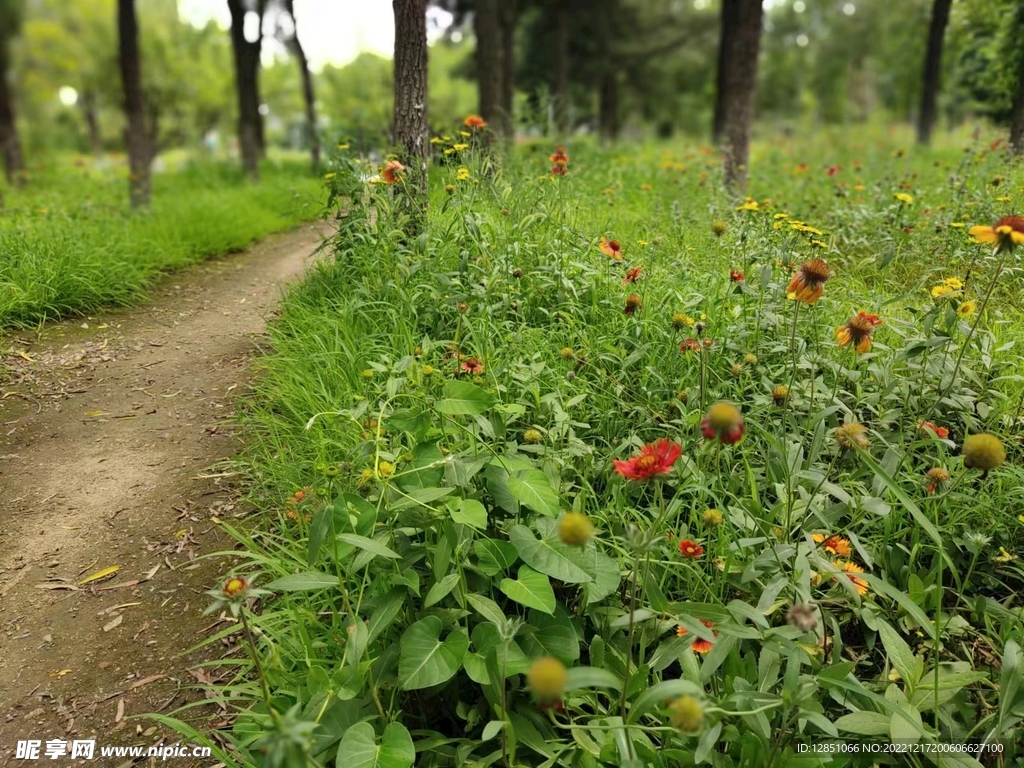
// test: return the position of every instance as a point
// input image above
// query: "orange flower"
(925, 426)
(474, 121)
(690, 345)
(850, 570)
(690, 548)
(393, 172)
(936, 477)
(559, 162)
(736, 276)
(235, 586)
(632, 275)
(857, 331)
(653, 459)
(808, 283)
(700, 645)
(473, 365)
(611, 247)
(834, 545)
(1006, 234)
(632, 304)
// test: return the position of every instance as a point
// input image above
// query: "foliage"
(435, 409)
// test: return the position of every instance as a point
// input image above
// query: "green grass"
(441, 402)
(70, 244)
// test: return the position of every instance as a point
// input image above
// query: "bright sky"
(331, 31)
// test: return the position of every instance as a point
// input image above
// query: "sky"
(331, 31)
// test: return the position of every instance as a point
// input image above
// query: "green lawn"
(434, 407)
(69, 242)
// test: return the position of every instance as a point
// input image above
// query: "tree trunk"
(509, 17)
(738, 83)
(726, 42)
(608, 112)
(139, 152)
(486, 26)
(307, 91)
(410, 120)
(247, 63)
(10, 146)
(1017, 116)
(560, 75)
(87, 102)
(932, 71)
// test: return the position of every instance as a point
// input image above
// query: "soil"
(115, 440)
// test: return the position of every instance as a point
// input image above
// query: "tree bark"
(726, 42)
(410, 119)
(87, 102)
(509, 18)
(487, 27)
(737, 85)
(307, 90)
(560, 74)
(247, 63)
(10, 145)
(1017, 116)
(140, 153)
(932, 71)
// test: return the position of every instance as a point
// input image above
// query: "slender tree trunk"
(509, 17)
(932, 71)
(1017, 117)
(726, 42)
(87, 102)
(738, 83)
(139, 152)
(307, 90)
(560, 75)
(410, 120)
(10, 146)
(247, 62)
(487, 27)
(608, 112)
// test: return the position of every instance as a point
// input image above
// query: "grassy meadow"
(611, 469)
(69, 243)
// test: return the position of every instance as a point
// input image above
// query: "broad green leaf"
(492, 729)
(883, 587)
(319, 529)
(551, 635)
(864, 723)
(359, 747)
(551, 556)
(494, 556)
(487, 608)
(441, 589)
(900, 654)
(370, 545)
(608, 575)
(385, 613)
(461, 398)
(534, 491)
(593, 677)
(659, 693)
(531, 589)
(424, 659)
(301, 582)
(469, 512)
(904, 499)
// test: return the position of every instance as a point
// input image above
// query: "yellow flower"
(712, 518)
(460, 147)
(780, 394)
(1004, 556)
(343, 146)
(718, 227)
(368, 373)
(966, 309)
(749, 205)
(436, 140)
(547, 679)
(834, 545)
(852, 434)
(681, 320)
(575, 529)
(956, 224)
(428, 370)
(532, 436)
(462, 174)
(328, 176)
(983, 451)
(365, 477)
(568, 353)
(781, 216)
(903, 197)
(1006, 234)
(850, 570)
(465, 134)
(449, 151)
(686, 714)
(385, 469)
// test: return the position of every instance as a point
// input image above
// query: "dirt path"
(109, 437)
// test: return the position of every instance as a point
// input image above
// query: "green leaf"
(386, 612)
(494, 556)
(302, 582)
(319, 528)
(551, 556)
(883, 587)
(492, 729)
(359, 748)
(534, 491)
(470, 512)
(904, 499)
(464, 399)
(487, 608)
(659, 693)
(370, 545)
(424, 660)
(608, 575)
(531, 589)
(592, 677)
(552, 635)
(864, 723)
(441, 589)
(900, 654)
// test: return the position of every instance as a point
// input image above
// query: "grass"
(434, 407)
(69, 243)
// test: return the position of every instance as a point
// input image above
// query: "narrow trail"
(109, 432)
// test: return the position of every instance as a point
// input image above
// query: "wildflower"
(450, 189)
(780, 394)
(680, 321)
(686, 714)
(473, 365)
(437, 140)
(532, 436)
(428, 370)
(833, 170)
(737, 369)
(462, 306)
(712, 518)
(653, 459)
(808, 283)
(459, 147)
(385, 469)
(575, 529)
(474, 121)
(560, 162)
(983, 451)
(718, 228)
(1004, 556)
(926, 426)
(235, 587)
(1006, 234)
(834, 545)
(568, 353)
(393, 172)
(749, 205)
(750, 358)
(632, 275)
(850, 570)
(936, 477)
(559, 170)
(462, 174)
(700, 645)
(343, 146)
(632, 304)
(329, 176)
(803, 616)
(547, 679)
(691, 549)
(365, 477)
(736, 276)
(903, 197)
(852, 434)
(966, 309)
(683, 396)
(368, 373)
(947, 287)
(611, 247)
(690, 345)
(857, 331)
(723, 421)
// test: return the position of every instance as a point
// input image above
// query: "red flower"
(612, 248)
(632, 304)
(632, 275)
(834, 169)
(924, 426)
(724, 421)
(559, 170)
(560, 162)
(690, 345)
(689, 548)
(393, 172)
(473, 365)
(653, 459)
(699, 645)
(474, 121)
(736, 276)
